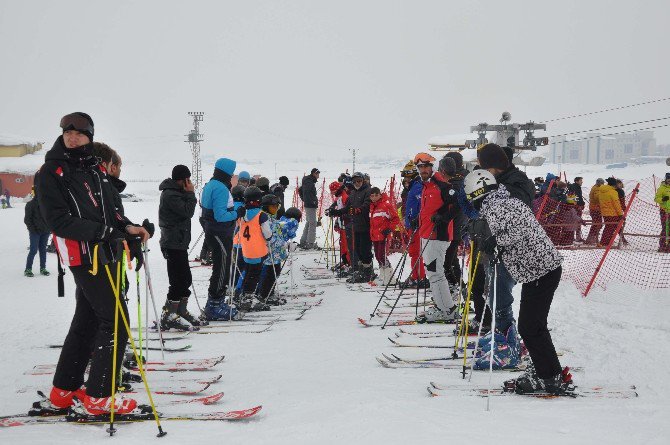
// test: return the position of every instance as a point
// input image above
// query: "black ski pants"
(452, 269)
(363, 246)
(91, 334)
(268, 279)
(252, 273)
(221, 247)
(480, 288)
(179, 273)
(536, 298)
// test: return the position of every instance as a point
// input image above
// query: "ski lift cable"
(606, 110)
(619, 132)
(612, 126)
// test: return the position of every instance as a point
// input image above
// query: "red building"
(19, 185)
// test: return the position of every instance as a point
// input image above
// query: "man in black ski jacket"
(76, 200)
(278, 190)
(358, 208)
(177, 207)
(309, 197)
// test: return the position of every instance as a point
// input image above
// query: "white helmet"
(478, 184)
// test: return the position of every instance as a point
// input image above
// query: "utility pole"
(353, 151)
(194, 138)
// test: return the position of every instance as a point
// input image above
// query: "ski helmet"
(293, 212)
(253, 195)
(409, 171)
(334, 187)
(358, 175)
(238, 193)
(262, 182)
(423, 159)
(478, 184)
(270, 200)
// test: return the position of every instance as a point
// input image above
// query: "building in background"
(19, 160)
(597, 149)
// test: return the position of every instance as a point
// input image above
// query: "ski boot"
(58, 402)
(218, 310)
(506, 351)
(170, 318)
(437, 315)
(28, 273)
(275, 301)
(183, 312)
(530, 383)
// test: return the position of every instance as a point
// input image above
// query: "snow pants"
(268, 279)
(536, 298)
(452, 270)
(418, 271)
(363, 246)
(308, 237)
(434, 252)
(596, 225)
(179, 273)
(611, 223)
(504, 284)
(380, 253)
(91, 334)
(221, 248)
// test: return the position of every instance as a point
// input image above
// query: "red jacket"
(437, 197)
(382, 216)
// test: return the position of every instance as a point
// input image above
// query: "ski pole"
(139, 311)
(493, 328)
(196, 243)
(115, 290)
(402, 261)
(463, 318)
(465, 325)
(487, 287)
(147, 277)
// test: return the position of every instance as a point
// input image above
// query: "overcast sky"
(314, 78)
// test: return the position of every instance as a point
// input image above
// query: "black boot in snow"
(170, 318)
(183, 312)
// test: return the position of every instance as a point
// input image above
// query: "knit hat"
(283, 180)
(611, 181)
(493, 156)
(600, 181)
(226, 165)
(262, 182)
(457, 157)
(314, 170)
(78, 121)
(180, 172)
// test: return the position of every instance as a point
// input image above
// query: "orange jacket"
(609, 201)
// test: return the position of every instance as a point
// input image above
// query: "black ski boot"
(183, 312)
(170, 318)
(364, 274)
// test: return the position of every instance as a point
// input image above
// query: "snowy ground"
(319, 382)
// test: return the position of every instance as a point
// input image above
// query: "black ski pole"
(401, 262)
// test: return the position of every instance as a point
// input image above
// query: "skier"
(358, 208)
(594, 211)
(278, 189)
(527, 253)
(339, 194)
(244, 179)
(76, 201)
(38, 233)
(254, 233)
(311, 201)
(411, 220)
(176, 208)
(436, 232)
(452, 269)
(383, 221)
(662, 198)
(219, 214)
(610, 208)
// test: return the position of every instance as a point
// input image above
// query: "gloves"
(386, 232)
(135, 247)
(149, 227)
(111, 234)
(241, 211)
(489, 245)
(665, 198)
(414, 223)
(437, 219)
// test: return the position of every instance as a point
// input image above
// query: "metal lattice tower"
(194, 138)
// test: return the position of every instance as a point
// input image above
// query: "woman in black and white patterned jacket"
(531, 259)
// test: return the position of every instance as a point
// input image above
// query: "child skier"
(383, 220)
(530, 257)
(254, 234)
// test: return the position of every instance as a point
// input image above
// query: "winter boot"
(183, 312)
(44, 272)
(170, 318)
(436, 315)
(506, 351)
(218, 310)
(28, 273)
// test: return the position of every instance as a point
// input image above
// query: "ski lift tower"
(194, 138)
(507, 134)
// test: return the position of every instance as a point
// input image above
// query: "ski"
(24, 420)
(300, 294)
(437, 390)
(206, 400)
(471, 345)
(369, 324)
(150, 348)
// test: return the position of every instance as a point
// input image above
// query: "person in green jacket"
(662, 198)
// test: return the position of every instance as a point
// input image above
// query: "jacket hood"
(169, 183)
(226, 165)
(58, 152)
(550, 176)
(118, 184)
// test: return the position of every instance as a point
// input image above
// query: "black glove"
(149, 227)
(241, 211)
(414, 223)
(437, 219)
(135, 248)
(386, 232)
(665, 198)
(488, 246)
(111, 234)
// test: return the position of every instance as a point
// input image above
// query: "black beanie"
(611, 181)
(457, 157)
(180, 172)
(493, 156)
(283, 180)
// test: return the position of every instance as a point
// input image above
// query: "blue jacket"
(218, 208)
(413, 205)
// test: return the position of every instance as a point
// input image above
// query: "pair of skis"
(596, 391)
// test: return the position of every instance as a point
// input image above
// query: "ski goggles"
(76, 122)
(423, 159)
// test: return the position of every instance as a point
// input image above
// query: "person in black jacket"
(39, 236)
(76, 201)
(278, 190)
(177, 207)
(358, 207)
(309, 197)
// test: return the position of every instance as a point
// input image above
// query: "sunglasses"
(76, 122)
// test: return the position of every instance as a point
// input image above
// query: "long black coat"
(175, 211)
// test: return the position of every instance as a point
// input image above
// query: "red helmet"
(334, 187)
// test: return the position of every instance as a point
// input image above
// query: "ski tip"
(363, 322)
